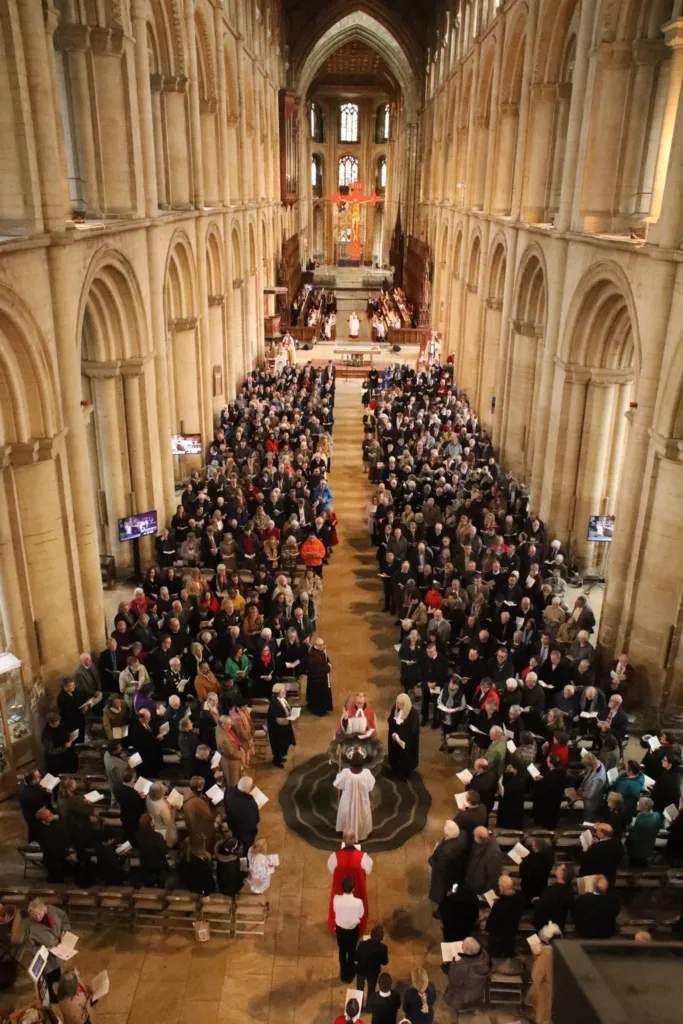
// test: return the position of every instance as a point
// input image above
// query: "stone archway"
(489, 352)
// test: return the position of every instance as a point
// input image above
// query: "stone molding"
(669, 448)
(25, 453)
(183, 323)
(496, 304)
(217, 300)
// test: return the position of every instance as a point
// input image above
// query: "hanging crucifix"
(355, 198)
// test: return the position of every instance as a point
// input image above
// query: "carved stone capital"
(670, 448)
(615, 55)
(175, 83)
(107, 41)
(649, 51)
(527, 328)
(238, 282)
(36, 450)
(136, 366)
(544, 92)
(509, 109)
(610, 378)
(156, 82)
(183, 323)
(72, 37)
(100, 369)
(496, 304)
(217, 300)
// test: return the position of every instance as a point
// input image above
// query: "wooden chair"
(32, 857)
(82, 906)
(219, 911)
(251, 911)
(181, 910)
(116, 906)
(149, 907)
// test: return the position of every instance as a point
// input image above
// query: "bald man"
(504, 918)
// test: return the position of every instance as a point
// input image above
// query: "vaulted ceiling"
(356, 63)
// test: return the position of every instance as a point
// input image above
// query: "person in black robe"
(547, 793)
(131, 805)
(280, 732)
(264, 674)
(32, 797)
(196, 869)
(54, 845)
(555, 902)
(68, 705)
(58, 749)
(448, 861)
(534, 871)
(511, 803)
(153, 850)
(403, 746)
(229, 875)
(595, 913)
(503, 921)
(459, 913)
(318, 686)
(241, 812)
(143, 737)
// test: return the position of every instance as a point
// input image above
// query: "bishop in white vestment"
(355, 814)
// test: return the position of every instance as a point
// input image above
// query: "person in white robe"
(354, 814)
(354, 326)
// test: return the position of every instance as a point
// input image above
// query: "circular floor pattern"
(309, 805)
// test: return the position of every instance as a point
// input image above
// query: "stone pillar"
(576, 115)
(73, 41)
(493, 119)
(110, 447)
(224, 159)
(42, 507)
(525, 98)
(647, 54)
(195, 116)
(36, 34)
(668, 232)
(156, 254)
(569, 397)
(498, 434)
(594, 462)
(142, 80)
(617, 445)
(472, 133)
(654, 633)
(617, 606)
(507, 136)
(133, 400)
(186, 375)
(673, 35)
(544, 100)
(555, 170)
(205, 372)
(159, 111)
(16, 602)
(68, 349)
(244, 140)
(518, 393)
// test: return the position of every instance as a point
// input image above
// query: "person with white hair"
(45, 927)
(319, 685)
(540, 995)
(448, 862)
(467, 977)
(241, 812)
(88, 682)
(280, 731)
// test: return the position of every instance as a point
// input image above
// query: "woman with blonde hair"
(403, 748)
(74, 999)
(420, 997)
(260, 869)
(162, 813)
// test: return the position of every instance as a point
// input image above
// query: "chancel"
(341, 417)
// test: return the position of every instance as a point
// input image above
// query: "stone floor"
(291, 974)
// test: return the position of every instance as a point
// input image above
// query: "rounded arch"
(361, 26)
(513, 60)
(530, 294)
(214, 261)
(231, 84)
(253, 258)
(180, 278)
(474, 261)
(555, 27)
(205, 68)
(484, 92)
(166, 28)
(601, 328)
(457, 251)
(497, 266)
(111, 320)
(236, 250)
(27, 406)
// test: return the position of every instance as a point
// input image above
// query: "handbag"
(202, 930)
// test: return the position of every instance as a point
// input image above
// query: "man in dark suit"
(241, 812)
(547, 793)
(371, 956)
(143, 736)
(448, 861)
(485, 782)
(384, 1004)
(473, 814)
(604, 855)
(131, 804)
(32, 797)
(614, 719)
(595, 913)
(434, 675)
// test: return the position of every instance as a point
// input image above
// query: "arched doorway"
(238, 359)
(595, 383)
(184, 363)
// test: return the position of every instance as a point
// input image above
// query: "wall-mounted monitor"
(186, 444)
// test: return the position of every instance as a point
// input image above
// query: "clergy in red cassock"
(349, 861)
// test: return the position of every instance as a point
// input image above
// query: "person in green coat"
(238, 668)
(630, 786)
(642, 837)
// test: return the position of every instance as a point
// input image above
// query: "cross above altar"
(355, 197)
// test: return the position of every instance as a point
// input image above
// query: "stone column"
(156, 252)
(576, 115)
(205, 372)
(498, 433)
(195, 116)
(107, 403)
(569, 397)
(507, 134)
(544, 100)
(36, 34)
(673, 35)
(518, 393)
(73, 41)
(131, 371)
(654, 633)
(493, 120)
(142, 80)
(224, 159)
(525, 98)
(668, 232)
(617, 445)
(594, 461)
(16, 602)
(68, 349)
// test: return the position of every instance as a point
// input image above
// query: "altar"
(354, 355)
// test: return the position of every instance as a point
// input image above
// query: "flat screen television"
(186, 444)
(141, 525)
(601, 528)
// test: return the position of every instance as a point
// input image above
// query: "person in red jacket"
(349, 861)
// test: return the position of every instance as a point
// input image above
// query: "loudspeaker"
(395, 348)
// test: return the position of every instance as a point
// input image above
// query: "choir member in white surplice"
(355, 784)
(354, 327)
